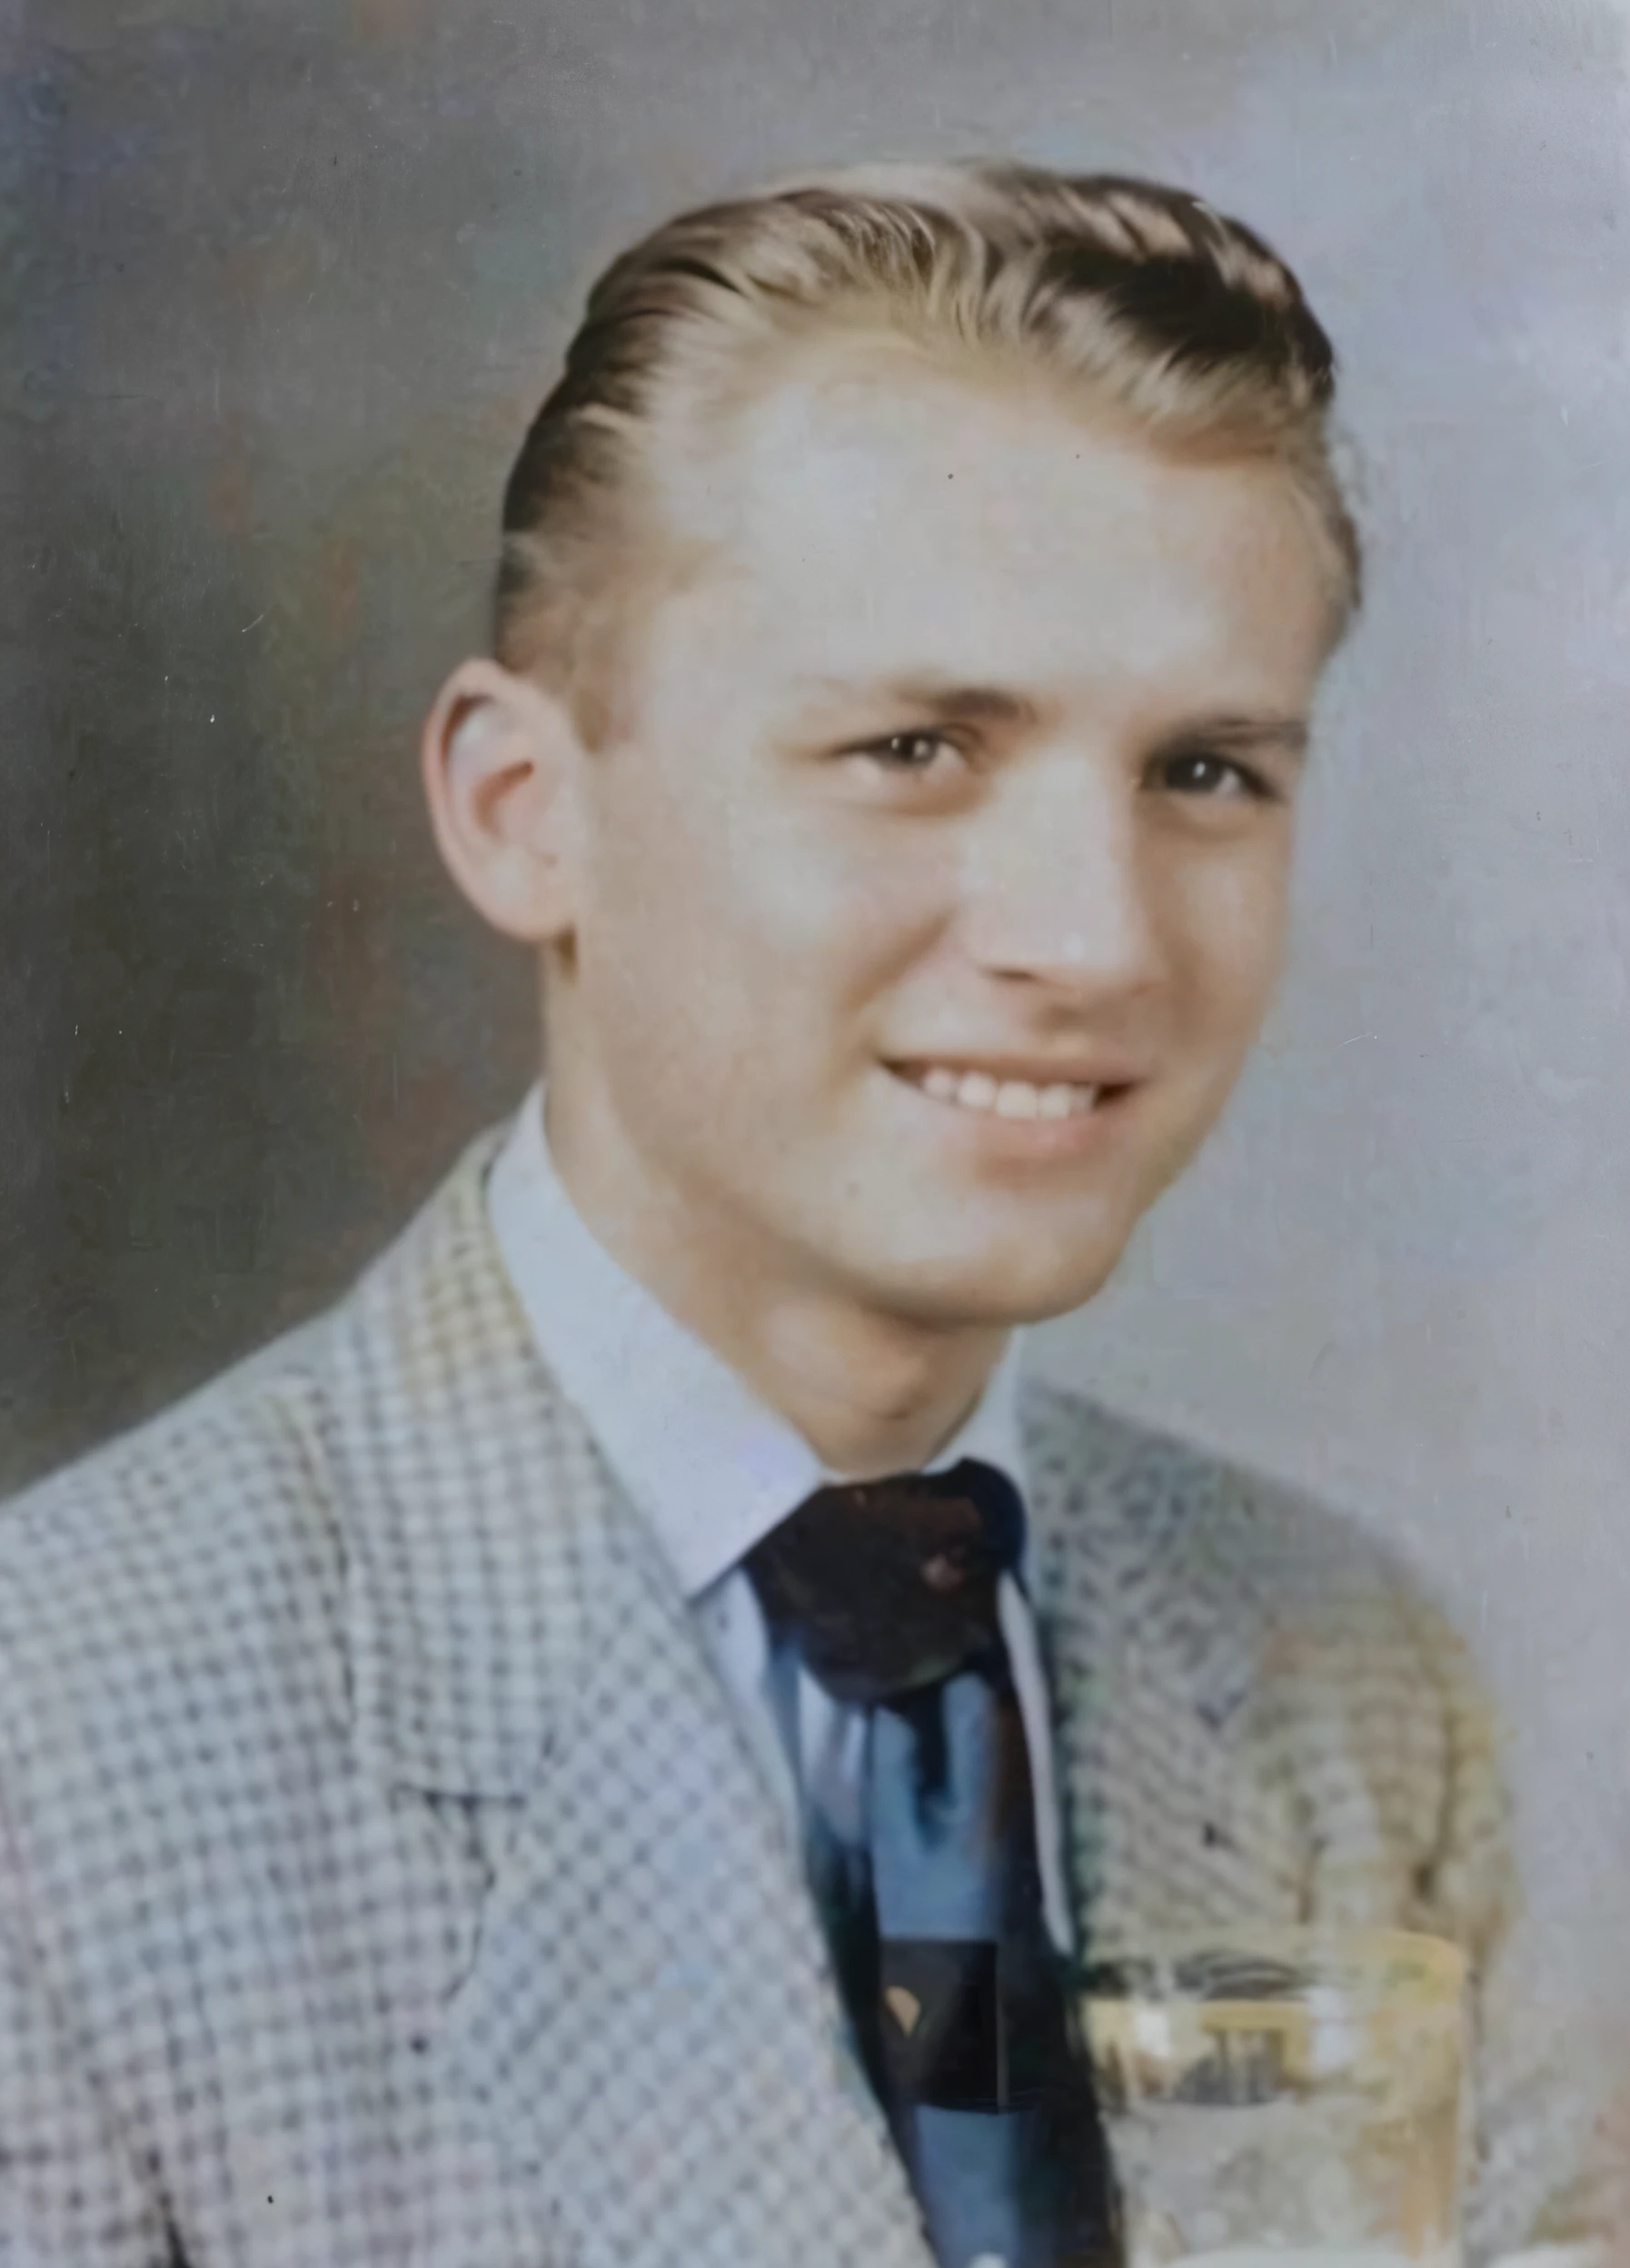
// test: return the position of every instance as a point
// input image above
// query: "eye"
(909, 751)
(1203, 773)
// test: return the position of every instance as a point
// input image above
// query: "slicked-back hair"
(1123, 293)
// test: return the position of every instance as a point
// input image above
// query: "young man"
(605, 1748)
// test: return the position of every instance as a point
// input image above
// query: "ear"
(501, 761)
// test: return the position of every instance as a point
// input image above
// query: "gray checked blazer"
(385, 1883)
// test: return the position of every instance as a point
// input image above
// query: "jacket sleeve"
(70, 2193)
(1542, 2170)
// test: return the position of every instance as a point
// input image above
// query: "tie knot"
(884, 1586)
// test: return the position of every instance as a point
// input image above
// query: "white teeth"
(1008, 1097)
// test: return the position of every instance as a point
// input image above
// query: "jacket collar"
(470, 1497)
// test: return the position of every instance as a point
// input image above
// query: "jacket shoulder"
(1121, 1483)
(212, 1537)
(200, 1528)
(1211, 1560)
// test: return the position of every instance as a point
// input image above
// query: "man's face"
(935, 880)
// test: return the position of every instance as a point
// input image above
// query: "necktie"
(886, 1593)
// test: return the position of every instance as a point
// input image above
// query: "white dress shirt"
(713, 1471)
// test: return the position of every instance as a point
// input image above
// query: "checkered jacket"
(383, 1879)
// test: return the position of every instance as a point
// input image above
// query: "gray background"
(285, 283)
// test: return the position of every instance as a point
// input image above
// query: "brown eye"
(908, 751)
(1203, 773)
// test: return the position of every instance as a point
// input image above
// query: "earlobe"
(500, 757)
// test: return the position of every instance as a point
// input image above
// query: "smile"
(1003, 1098)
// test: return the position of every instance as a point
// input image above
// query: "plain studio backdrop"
(287, 283)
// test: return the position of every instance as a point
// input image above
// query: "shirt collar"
(709, 1466)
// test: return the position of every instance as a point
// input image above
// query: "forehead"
(870, 511)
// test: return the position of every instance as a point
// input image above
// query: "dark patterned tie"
(886, 1593)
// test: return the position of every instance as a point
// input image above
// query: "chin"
(993, 1286)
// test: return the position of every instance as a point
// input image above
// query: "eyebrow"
(1231, 728)
(939, 696)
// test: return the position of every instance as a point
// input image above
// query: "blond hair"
(1137, 296)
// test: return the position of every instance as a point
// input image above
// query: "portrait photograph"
(815, 1134)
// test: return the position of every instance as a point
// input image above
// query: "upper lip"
(1033, 1070)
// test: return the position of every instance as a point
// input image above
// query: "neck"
(870, 1392)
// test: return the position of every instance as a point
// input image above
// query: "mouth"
(996, 1092)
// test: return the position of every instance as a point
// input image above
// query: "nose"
(1057, 886)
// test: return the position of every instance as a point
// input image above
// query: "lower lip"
(1025, 1140)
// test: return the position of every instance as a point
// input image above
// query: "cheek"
(804, 898)
(839, 907)
(653, 966)
(1234, 913)
(734, 926)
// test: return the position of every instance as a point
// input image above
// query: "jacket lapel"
(649, 2019)
(1157, 1643)
(644, 2024)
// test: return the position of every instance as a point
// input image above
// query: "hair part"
(1131, 297)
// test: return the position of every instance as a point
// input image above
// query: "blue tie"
(886, 1593)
